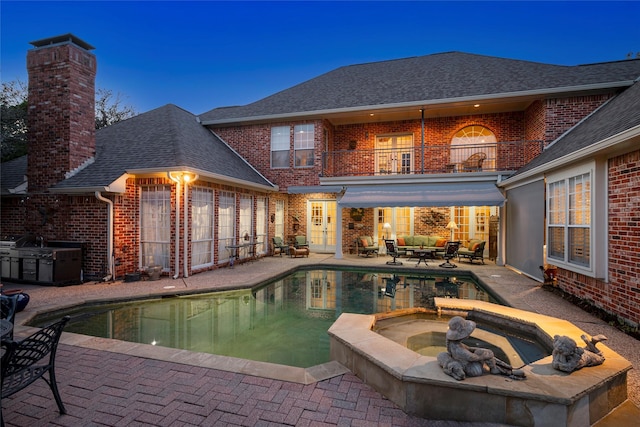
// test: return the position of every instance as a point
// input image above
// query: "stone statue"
(461, 361)
(568, 357)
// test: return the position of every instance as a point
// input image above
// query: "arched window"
(473, 148)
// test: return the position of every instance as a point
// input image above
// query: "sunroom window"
(155, 226)
(202, 219)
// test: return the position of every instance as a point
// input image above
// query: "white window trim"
(280, 145)
(598, 226)
(301, 142)
(210, 239)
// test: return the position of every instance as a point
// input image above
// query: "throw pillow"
(440, 243)
(364, 243)
(475, 247)
(401, 241)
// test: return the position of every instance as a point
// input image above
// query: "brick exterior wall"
(621, 294)
(253, 142)
(61, 118)
(563, 113)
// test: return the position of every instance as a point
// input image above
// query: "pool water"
(283, 322)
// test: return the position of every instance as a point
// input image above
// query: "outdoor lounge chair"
(450, 251)
(279, 246)
(23, 362)
(392, 250)
(474, 162)
(301, 242)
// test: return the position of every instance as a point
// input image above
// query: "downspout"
(185, 238)
(422, 156)
(177, 249)
(110, 263)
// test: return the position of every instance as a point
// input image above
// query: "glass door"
(394, 155)
(322, 225)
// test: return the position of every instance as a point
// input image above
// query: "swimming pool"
(284, 321)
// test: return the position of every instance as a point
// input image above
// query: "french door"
(322, 225)
(394, 154)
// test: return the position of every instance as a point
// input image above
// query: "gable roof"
(619, 115)
(426, 79)
(167, 138)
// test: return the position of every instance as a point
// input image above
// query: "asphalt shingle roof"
(619, 114)
(425, 78)
(165, 138)
(12, 174)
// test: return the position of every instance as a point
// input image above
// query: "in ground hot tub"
(418, 385)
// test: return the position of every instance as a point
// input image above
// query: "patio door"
(322, 225)
(394, 154)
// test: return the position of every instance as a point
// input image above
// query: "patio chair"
(474, 162)
(23, 362)
(301, 242)
(279, 246)
(450, 251)
(392, 250)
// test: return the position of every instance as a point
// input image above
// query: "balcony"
(431, 159)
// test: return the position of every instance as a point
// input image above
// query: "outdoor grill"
(22, 260)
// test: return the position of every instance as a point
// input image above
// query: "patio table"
(422, 255)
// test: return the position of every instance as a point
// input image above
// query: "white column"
(338, 231)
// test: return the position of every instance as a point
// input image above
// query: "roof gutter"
(163, 172)
(425, 103)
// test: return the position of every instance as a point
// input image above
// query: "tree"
(13, 116)
(13, 123)
(109, 109)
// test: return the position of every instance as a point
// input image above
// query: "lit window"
(473, 148)
(202, 218)
(303, 145)
(280, 147)
(569, 220)
(155, 225)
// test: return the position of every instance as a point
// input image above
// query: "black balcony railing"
(432, 159)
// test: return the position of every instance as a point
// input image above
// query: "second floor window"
(303, 145)
(280, 146)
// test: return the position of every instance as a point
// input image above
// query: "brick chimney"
(61, 115)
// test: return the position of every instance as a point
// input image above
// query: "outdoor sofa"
(410, 243)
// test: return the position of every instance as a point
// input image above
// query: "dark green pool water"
(283, 322)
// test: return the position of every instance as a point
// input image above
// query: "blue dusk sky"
(201, 55)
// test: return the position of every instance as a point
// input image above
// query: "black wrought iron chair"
(8, 308)
(24, 361)
(450, 251)
(392, 250)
